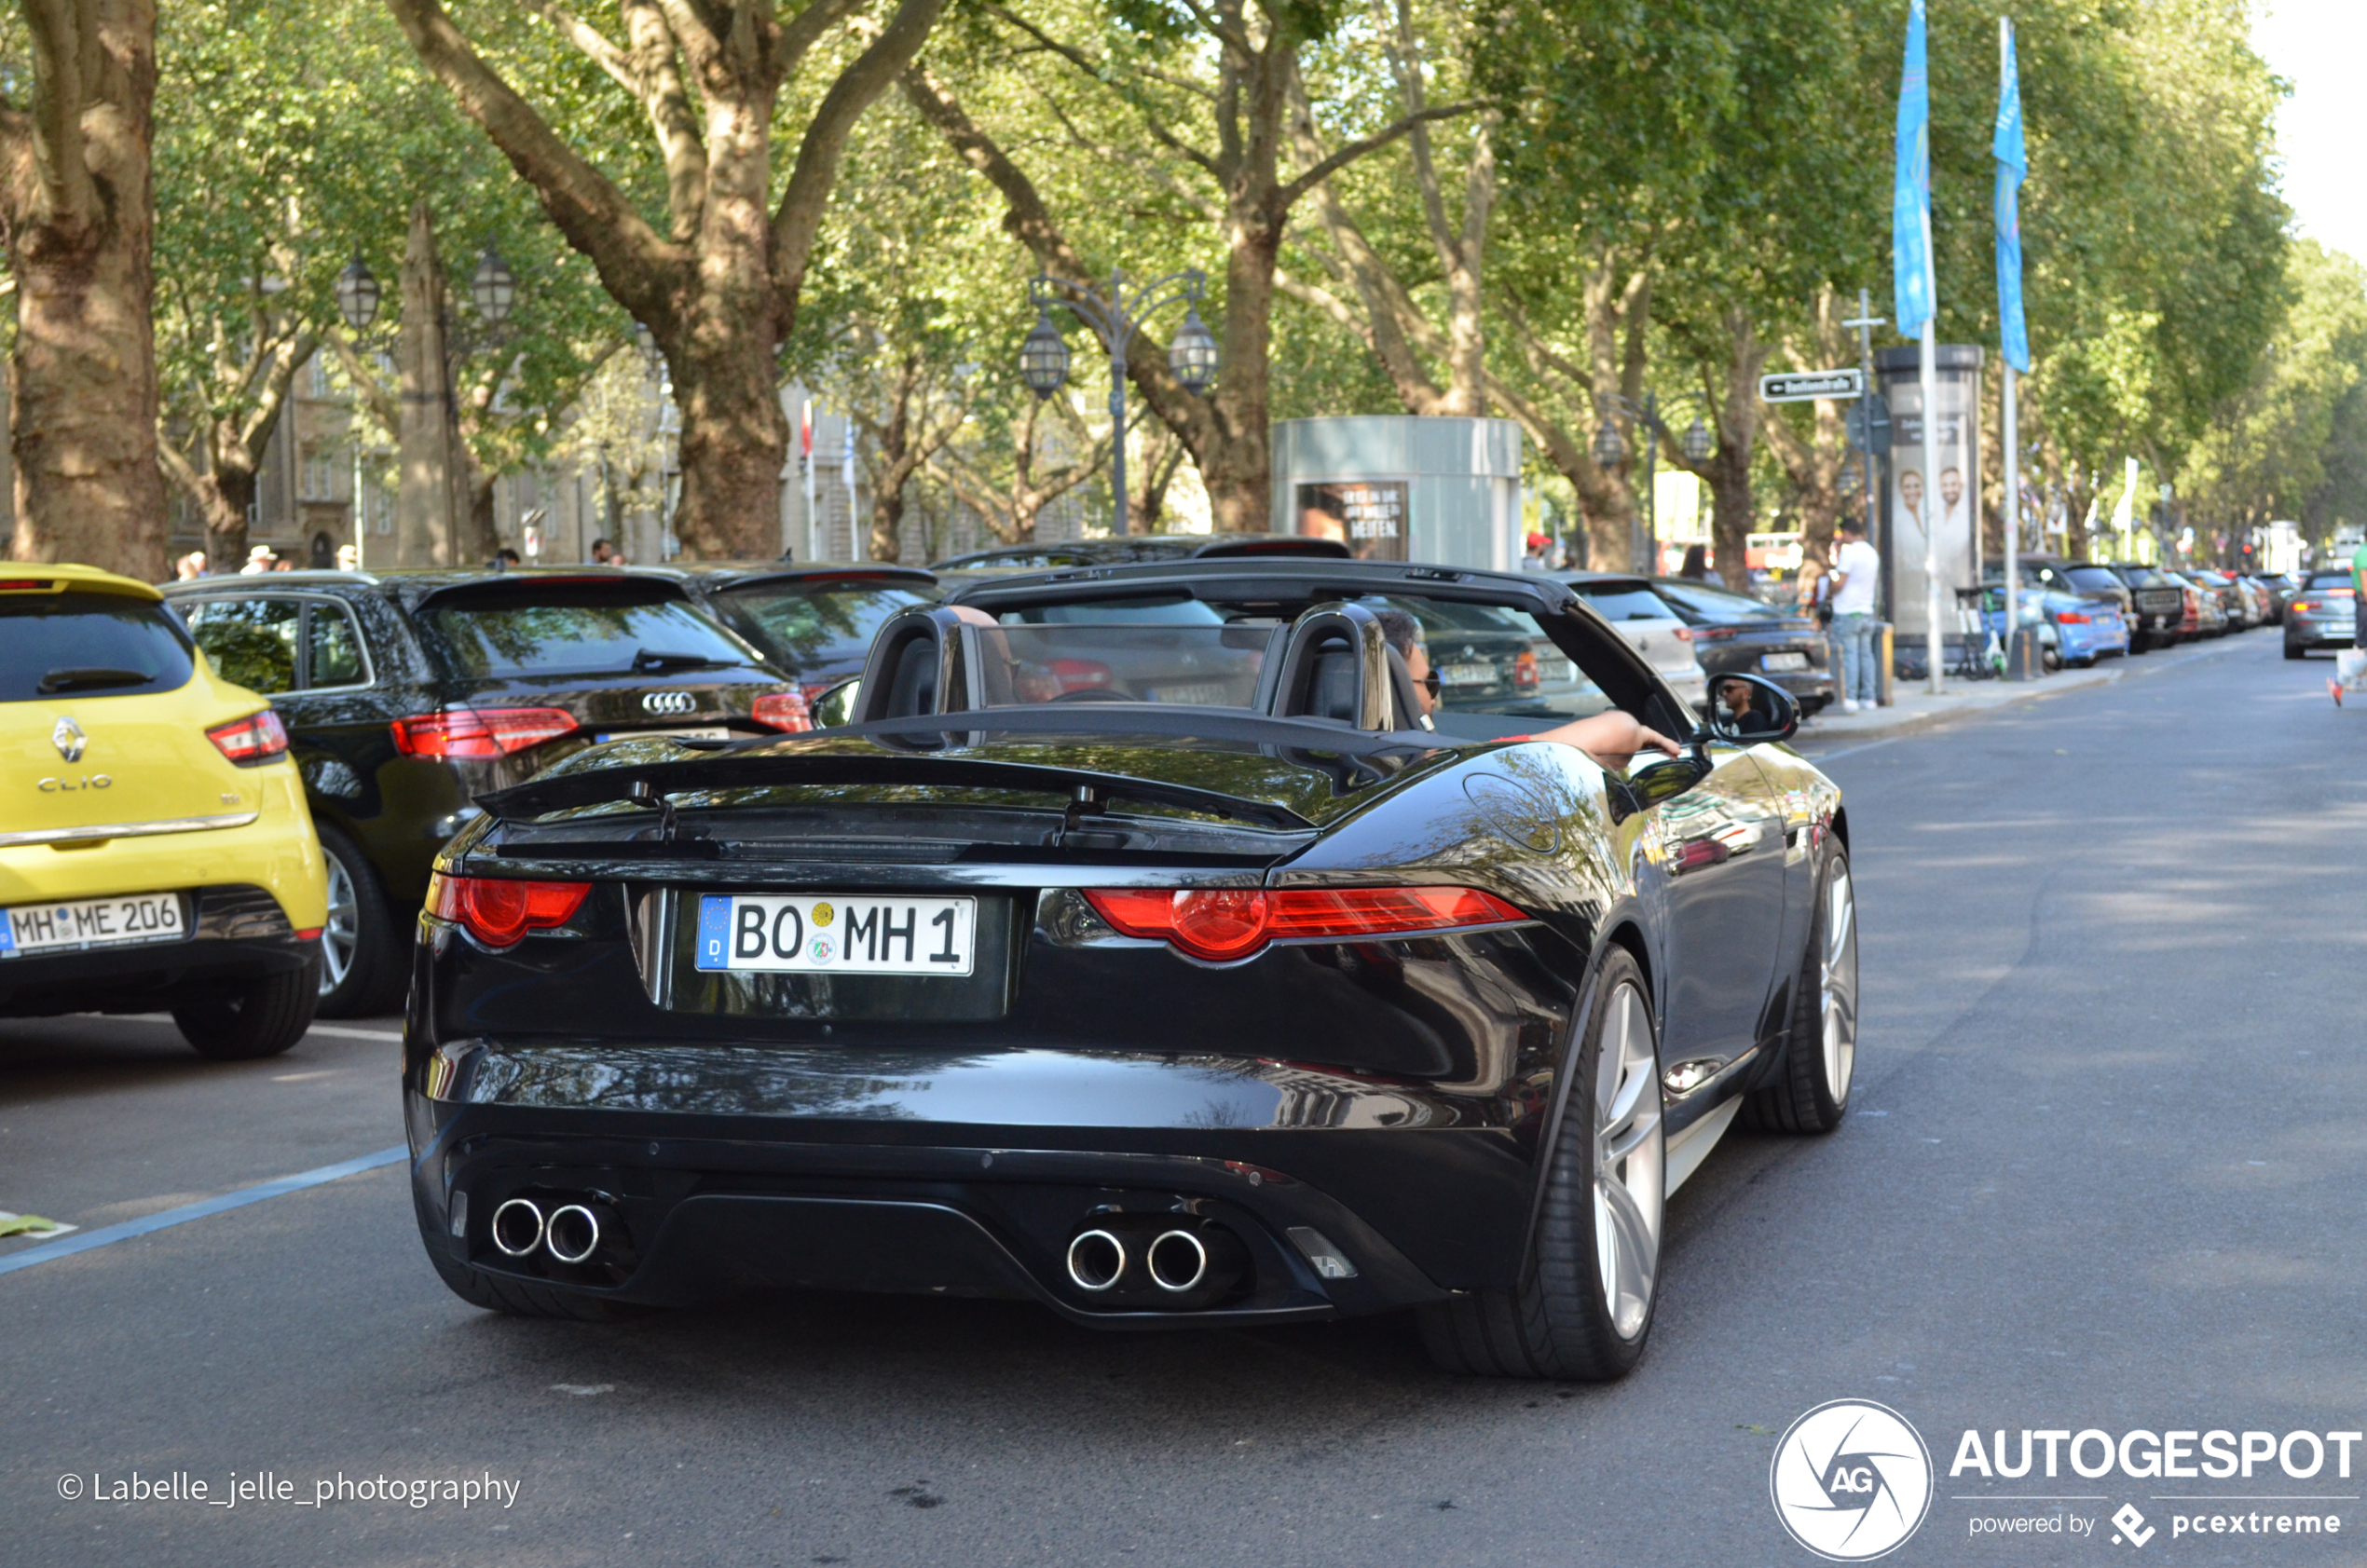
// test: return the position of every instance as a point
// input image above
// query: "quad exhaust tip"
(572, 1234)
(517, 1227)
(1097, 1259)
(1178, 1262)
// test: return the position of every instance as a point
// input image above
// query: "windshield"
(1698, 604)
(576, 628)
(1623, 601)
(800, 625)
(1210, 665)
(1179, 609)
(89, 644)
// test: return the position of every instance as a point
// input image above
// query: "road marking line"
(188, 1212)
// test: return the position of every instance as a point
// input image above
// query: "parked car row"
(2159, 606)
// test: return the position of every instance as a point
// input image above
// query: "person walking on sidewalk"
(1857, 566)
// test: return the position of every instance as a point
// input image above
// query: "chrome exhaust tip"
(572, 1235)
(1097, 1259)
(1178, 1262)
(517, 1227)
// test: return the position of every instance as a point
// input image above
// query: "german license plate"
(837, 933)
(696, 732)
(1782, 660)
(92, 922)
(1206, 694)
(1468, 675)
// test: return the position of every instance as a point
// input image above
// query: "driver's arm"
(1612, 738)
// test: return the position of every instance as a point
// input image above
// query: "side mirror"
(836, 706)
(1750, 710)
(1656, 780)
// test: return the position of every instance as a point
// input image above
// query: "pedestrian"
(189, 567)
(1856, 566)
(2342, 676)
(258, 560)
(1696, 567)
(603, 553)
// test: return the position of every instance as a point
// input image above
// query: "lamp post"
(1610, 450)
(1043, 356)
(432, 483)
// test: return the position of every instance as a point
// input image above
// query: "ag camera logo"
(1852, 1480)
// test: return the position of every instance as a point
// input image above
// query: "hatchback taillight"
(499, 910)
(256, 738)
(1221, 924)
(456, 733)
(785, 711)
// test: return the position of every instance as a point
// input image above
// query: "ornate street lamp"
(1043, 356)
(1193, 354)
(358, 292)
(1610, 447)
(494, 289)
(1699, 443)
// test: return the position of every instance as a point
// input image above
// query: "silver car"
(1650, 627)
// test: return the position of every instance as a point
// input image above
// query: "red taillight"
(1684, 633)
(256, 738)
(26, 584)
(499, 910)
(1524, 668)
(1079, 675)
(1717, 634)
(1220, 924)
(783, 711)
(2070, 617)
(479, 732)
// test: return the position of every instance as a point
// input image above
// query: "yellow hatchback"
(155, 851)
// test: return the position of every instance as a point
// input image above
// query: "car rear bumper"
(726, 1168)
(239, 933)
(2304, 631)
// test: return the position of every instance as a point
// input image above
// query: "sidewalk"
(1915, 709)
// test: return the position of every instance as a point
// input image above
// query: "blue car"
(2071, 629)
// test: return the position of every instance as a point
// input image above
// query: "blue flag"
(2013, 163)
(1915, 291)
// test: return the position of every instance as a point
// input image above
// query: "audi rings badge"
(669, 703)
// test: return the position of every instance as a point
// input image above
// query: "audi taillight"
(1524, 668)
(1684, 633)
(785, 711)
(499, 910)
(1221, 924)
(1079, 675)
(476, 732)
(256, 738)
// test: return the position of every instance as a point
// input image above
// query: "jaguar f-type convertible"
(1194, 943)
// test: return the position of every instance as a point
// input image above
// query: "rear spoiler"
(653, 783)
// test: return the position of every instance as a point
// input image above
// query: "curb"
(2050, 686)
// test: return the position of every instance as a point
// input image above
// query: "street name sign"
(1802, 387)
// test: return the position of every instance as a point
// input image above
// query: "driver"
(1612, 737)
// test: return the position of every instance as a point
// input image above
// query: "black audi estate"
(408, 694)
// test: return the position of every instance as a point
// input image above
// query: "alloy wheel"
(342, 933)
(1838, 983)
(1629, 1162)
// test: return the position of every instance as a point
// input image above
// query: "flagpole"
(2013, 475)
(1927, 378)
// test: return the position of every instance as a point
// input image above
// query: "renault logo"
(659, 702)
(69, 740)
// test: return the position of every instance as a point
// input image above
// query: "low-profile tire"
(2294, 650)
(1590, 1284)
(259, 1017)
(364, 962)
(1820, 1055)
(517, 1298)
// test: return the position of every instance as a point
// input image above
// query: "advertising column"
(1932, 484)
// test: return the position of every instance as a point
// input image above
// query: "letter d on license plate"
(837, 933)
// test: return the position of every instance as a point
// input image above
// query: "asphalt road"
(2104, 1171)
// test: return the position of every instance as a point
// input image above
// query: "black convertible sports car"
(1152, 945)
